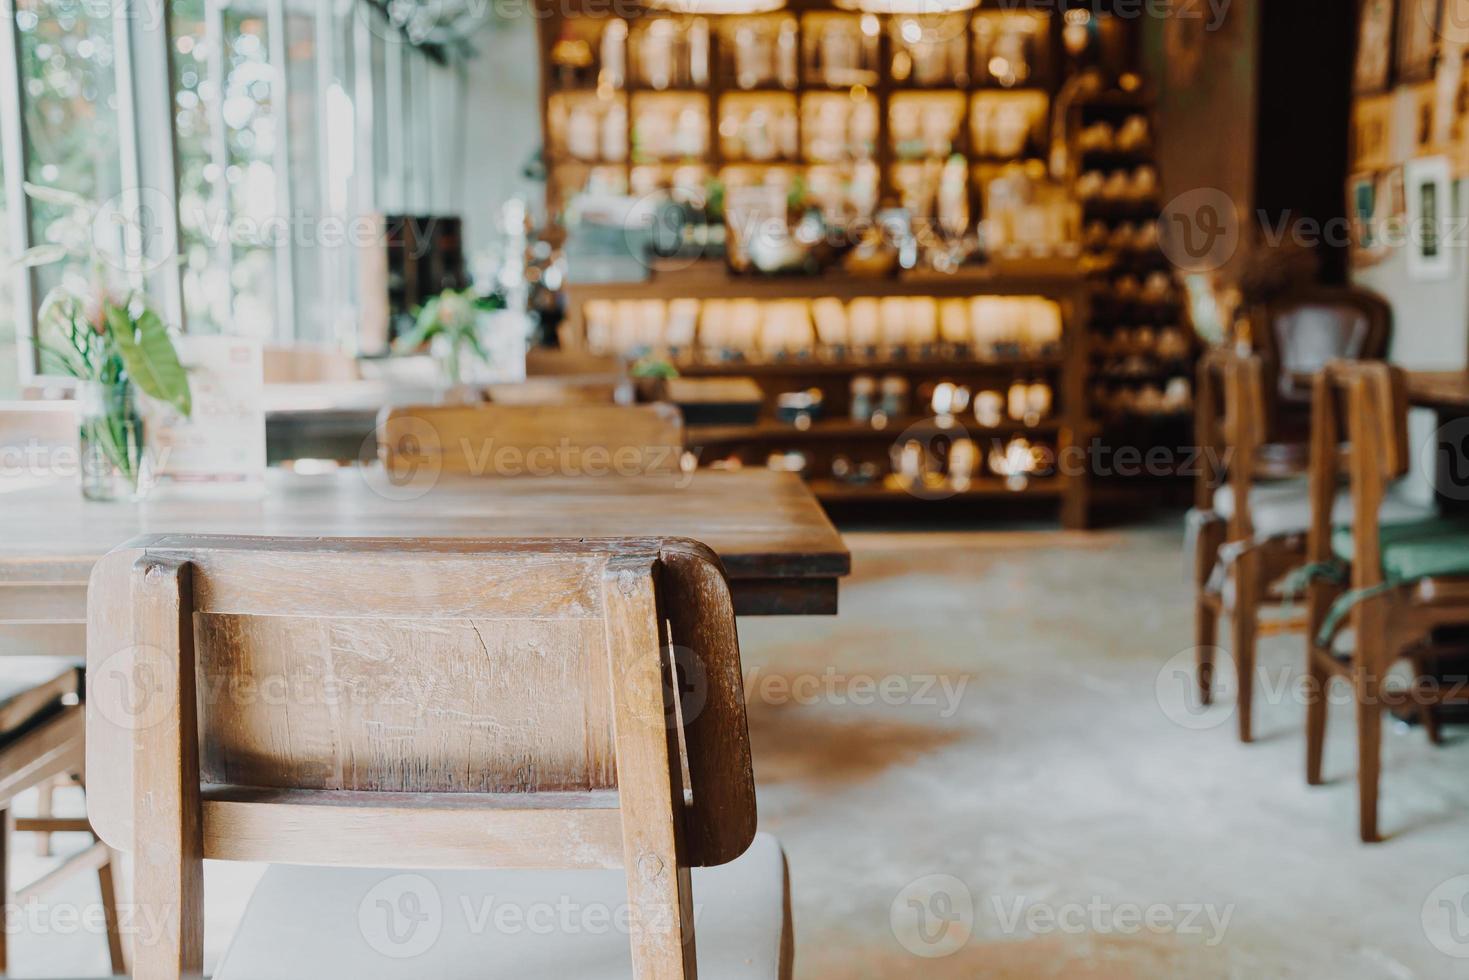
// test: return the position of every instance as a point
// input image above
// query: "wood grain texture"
(1442, 390)
(764, 526)
(486, 691)
(649, 774)
(533, 440)
(414, 830)
(168, 863)
(479, 725)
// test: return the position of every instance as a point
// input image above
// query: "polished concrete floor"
(987, 766)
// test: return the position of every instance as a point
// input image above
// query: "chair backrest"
(549, 703)
(1230, 428)
(297, 365)
(534, 440)
(1308, 328)
(1365, 404)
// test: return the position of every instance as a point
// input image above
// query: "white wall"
(503, 122)
(1430, 317)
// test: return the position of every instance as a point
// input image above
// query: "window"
(274, 145)
(69, 94)
(9, 354)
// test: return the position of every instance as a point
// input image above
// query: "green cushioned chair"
(1434, 547)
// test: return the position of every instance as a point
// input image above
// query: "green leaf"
(40, 255)
(425, 328)
(151, 360)
(55, 195)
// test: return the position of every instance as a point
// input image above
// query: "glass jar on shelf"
(671, 52)
(928, 50)
(1010, 48)
(841, 50)
(670, 126)
(758, 127)
(759, 51)
(839, 126)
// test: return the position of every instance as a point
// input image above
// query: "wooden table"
(1447, 392)
(782, 555)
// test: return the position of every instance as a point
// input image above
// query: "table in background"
(782, 555)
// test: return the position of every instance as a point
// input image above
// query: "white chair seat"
(309, 922)
(1284, 507)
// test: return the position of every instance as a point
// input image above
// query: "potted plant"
(113, 344)
(449, 324)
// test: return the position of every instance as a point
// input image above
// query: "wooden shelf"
(796, 367)
(770, 430)
(985, 488)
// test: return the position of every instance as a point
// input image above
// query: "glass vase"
(111, 461)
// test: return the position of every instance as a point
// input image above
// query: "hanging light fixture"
(718, 7)
(909, 8)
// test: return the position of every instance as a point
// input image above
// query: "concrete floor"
(985, 767)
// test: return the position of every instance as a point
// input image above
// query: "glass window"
(203, 219)
(250, 117)
(309, 235)
(9, 355)
(69, 98)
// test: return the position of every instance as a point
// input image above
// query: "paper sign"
(219, 450)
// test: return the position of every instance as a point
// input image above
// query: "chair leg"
(5, 884)
(1206, 634)
(108, 888)
(1245, 627)
(45, 797)
(1369, 740)
(1318, 681)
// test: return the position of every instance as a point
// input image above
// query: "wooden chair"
(41, 729)
(302, 364)
(545, 440)
(1299, 334)
(1251, 502)
(1405, 579)
(503, 704)
(1250, 534)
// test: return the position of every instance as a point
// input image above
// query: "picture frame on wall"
(1373, 120)
(1374, 46)
(1365, 202)
(1429, 186)
(1417, 35)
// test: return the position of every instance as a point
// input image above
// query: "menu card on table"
(219, 449)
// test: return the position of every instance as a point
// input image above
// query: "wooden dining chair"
(1250, 532)
(1298, 334)
(1396, 582)
(439, 728)
(541, 440)
(41, 725)
(1251, 499)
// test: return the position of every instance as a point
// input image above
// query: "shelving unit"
(835, 434)
(1140, 344)
(890, 79)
